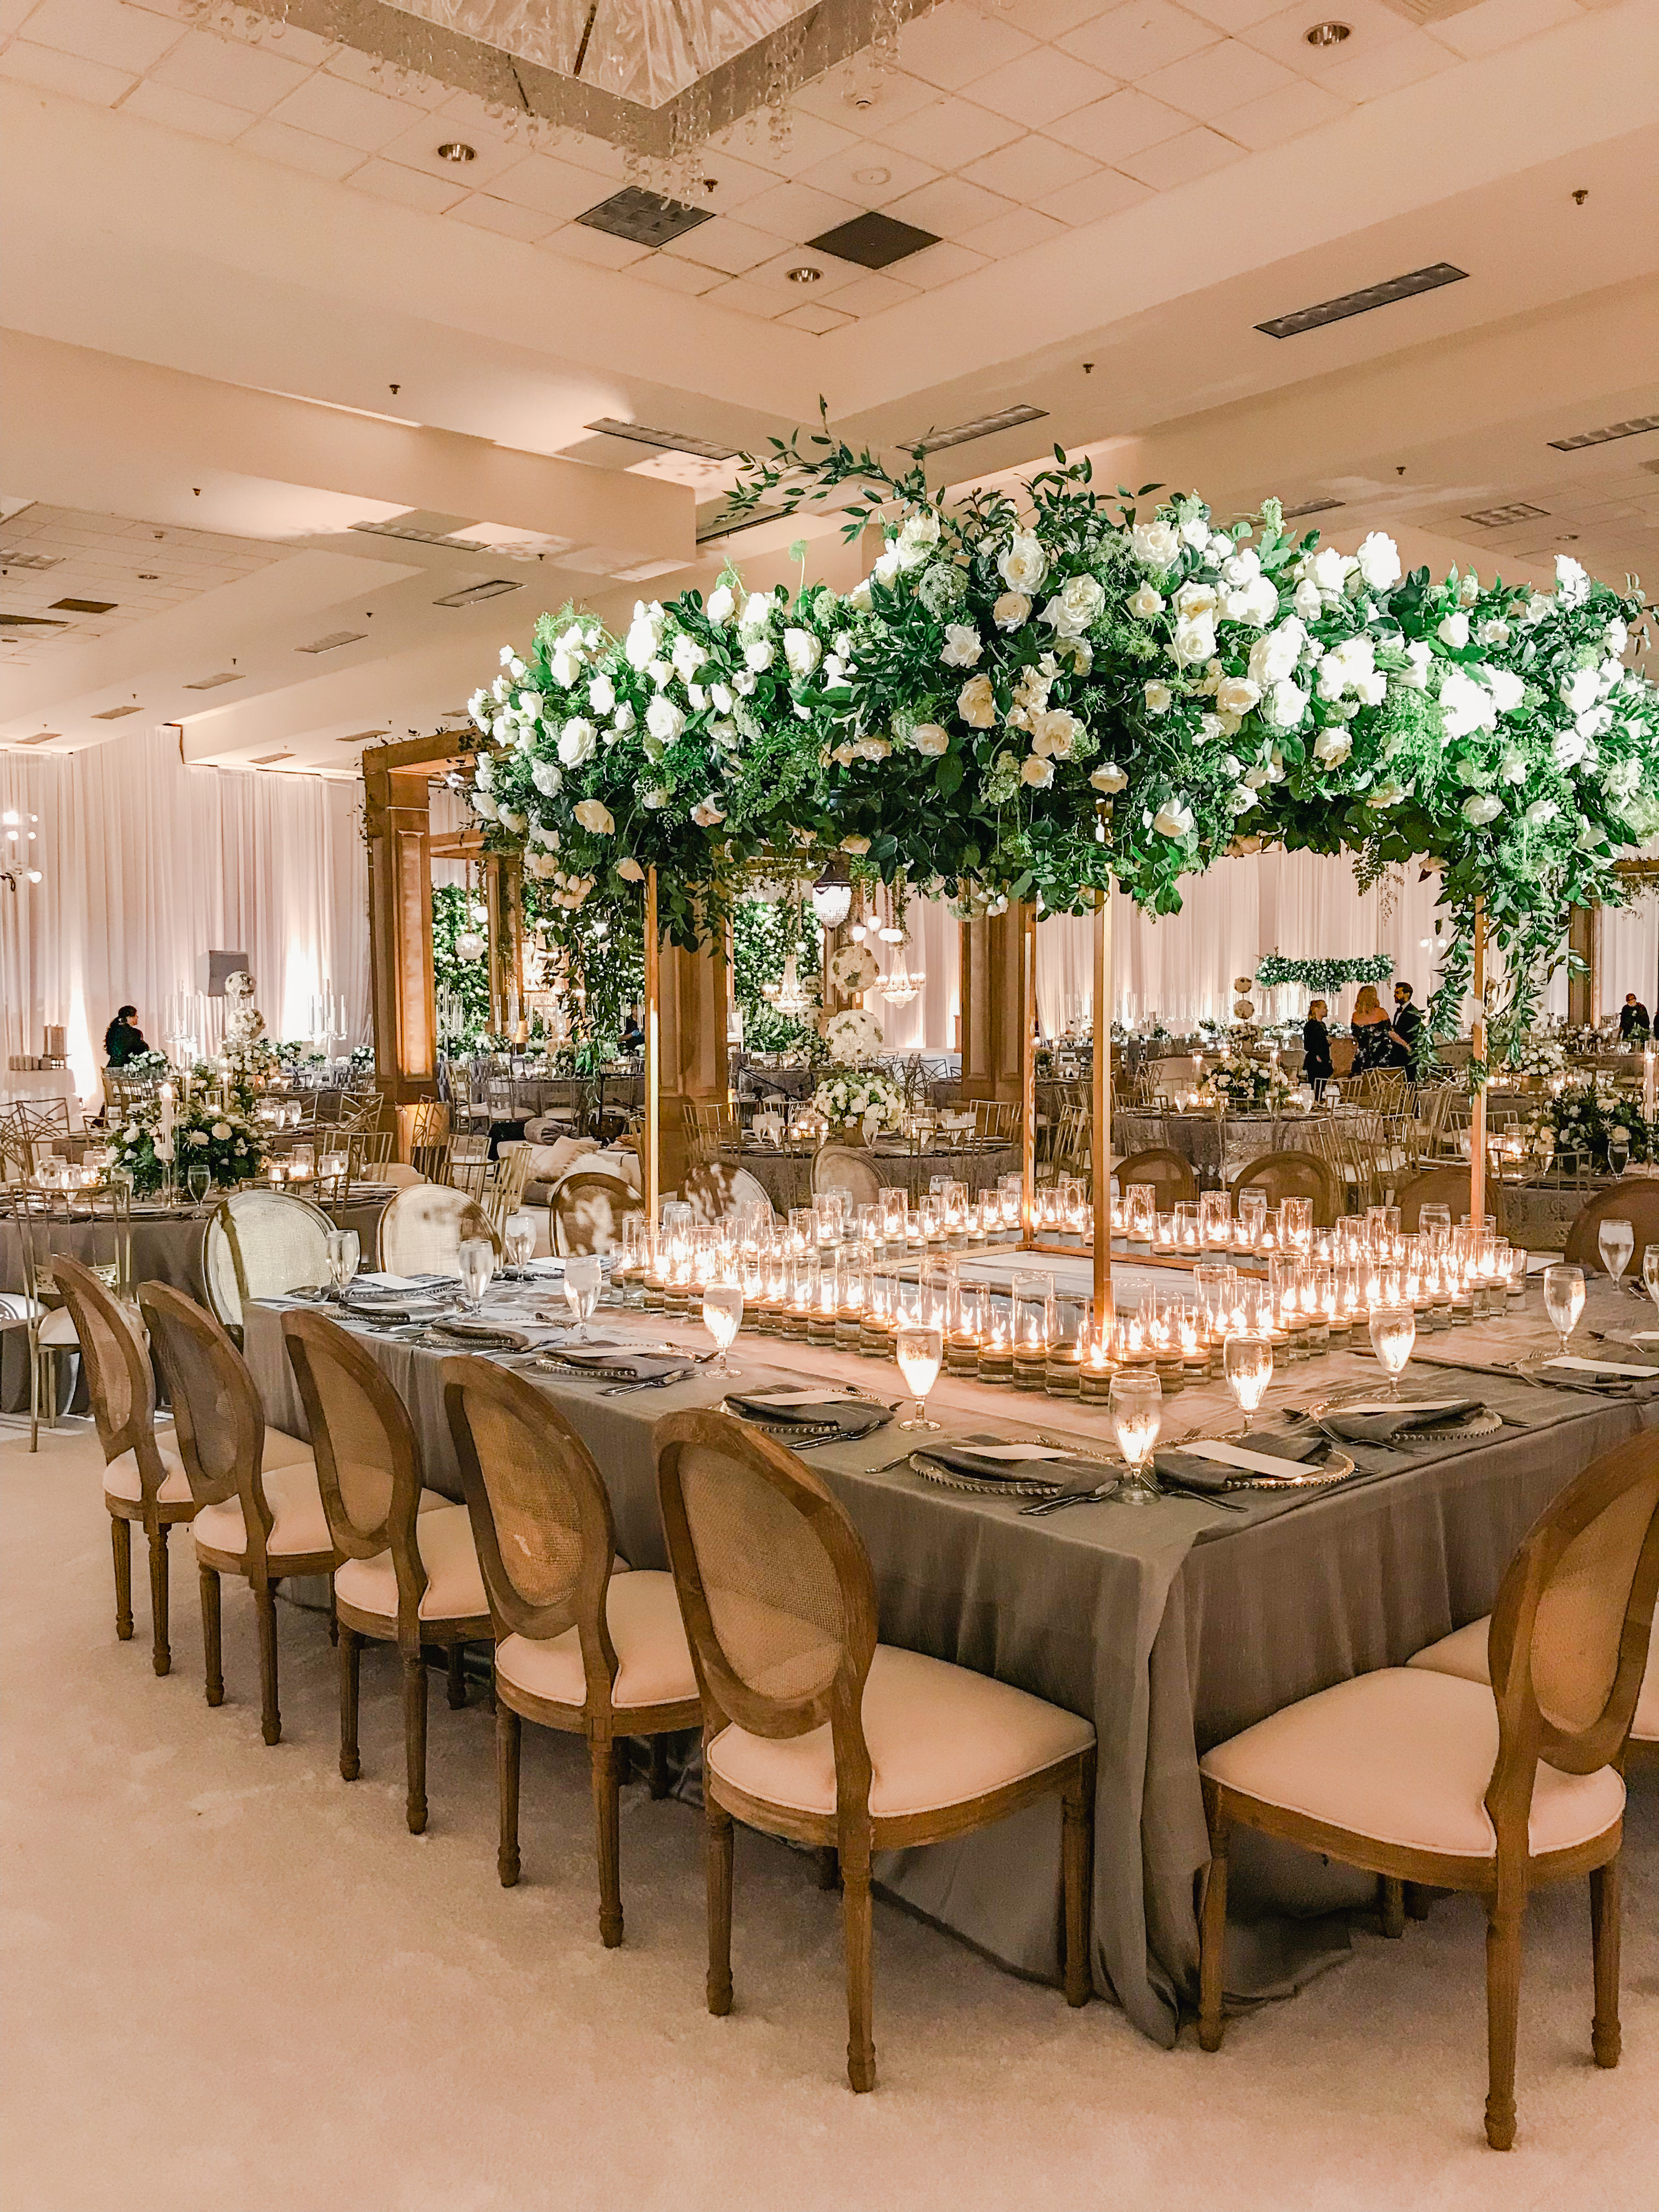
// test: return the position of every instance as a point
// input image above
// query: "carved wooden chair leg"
(1418, 1898)
(1076, 1811)
(120, 1537)
(1504, 1917)
(660, 1774)
(856, 1929)
(1604, 1884)
(350, 1649)
(212, 1648)
(718, 1827)
(415, 1737)
(333, 1617)
(456, 1664)
(270, 1717)
(1212, 1934)
(160, 1650)
(508, 1731)
(607, 1839)
(1391, 1905)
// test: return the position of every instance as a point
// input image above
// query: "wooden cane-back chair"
(409, 1574)
(1447, 1186)
(1169, 1173)
(586, 1210)
(43, 1225)
(1426, 1777)
(1636, 1201)
(503, 1191)
(814, 1731)
(260, 1512)
(578, 1648)
(1291, 1175)
(849, 1168)
(995, 1120)
(422, 1229)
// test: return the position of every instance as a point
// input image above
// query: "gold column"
(1028, 1078)
(991, 1038)
(652, 1058)
(1101, 1140)
(397, 822)
(503, 882)
(1478, 1107)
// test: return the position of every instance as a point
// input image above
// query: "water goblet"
(1615, 1240)
(476, 1263)
(722, 1316)
(1137, 1410)
(343, 1251)
(582, 1273)
(1563, 1300)
(921, 1349)
(1394, 1331)
(1247, 1360)
(198, 1181)
(1619, 1148)
(1650, 1272)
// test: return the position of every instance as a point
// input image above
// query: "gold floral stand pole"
(652, 1058)
(1478, 1049)
(1101, 1140)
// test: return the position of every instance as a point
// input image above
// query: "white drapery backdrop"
(146, 864)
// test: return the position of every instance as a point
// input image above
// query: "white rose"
(1465, 705)
(1540, 812)
(484, 805)
(1157, 544)
(1023, 564)
(1454, 631)
(1581, 689)
(222, 1131)
(802, 651)
(1173, 818)
(1194, 640)
(1256, 603)
(639, 646)
(595, 816)
(929, 739)
(1274, 656)
(961, 646)
(1195, 598)
(1416, 677)
(546, 778)
(976, 703)
(1332, 747)
(1306, 599)
(708, 812)
(858, 598)
(1109, 777)
(1506, 688)
(1236, 694)
(564, 666)
(1010, 610)
(756, 612)
(1287, 703)
(1145, 603)
(758, 653)
(1242, 567)
(602, 695)
(630, 872)
(1568, 749)
(1076, 605)
(1379, 561)
(1038, 772)
(1159, 698)
(664, 719)
(577, 742)
(1482, 808)
(1195, 531)
(1572, 584)
(721, 602)
(1241, 798)
(1327, 570)
(1616, 636)
(687, 657)
(1211, 726)
(655, 798)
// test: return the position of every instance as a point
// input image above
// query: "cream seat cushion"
(58, 1327)
(1403, 1757)
(938, 1734)
(121, 1475)
(1463, 1653)
(454, 1585)
(654, 1663)
(298, 1523)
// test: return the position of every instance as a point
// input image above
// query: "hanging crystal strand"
(885, 24)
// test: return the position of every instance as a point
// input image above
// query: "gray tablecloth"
(786, 1177)
(1170, 1627)
(1220, 1146)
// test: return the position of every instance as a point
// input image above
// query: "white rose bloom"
(687, 657)
(655, 798)
(722, 603)
(1454, 631)
(1581, 690)
(708, 812)
(758, 653)
(1465, 705)
(507, 656)
(486, 776)
(744, 682)
(1287, 703)
(623, 721)
(1492, 632)
(1242, 567)
(1616, 636)
(509, 820)
(1306, 599)
(1109, 777)
(1195, 531)
(639, 646)
(1010, 610)
(858, 598)
(602, 695)
(1175, 818)
(1075, 606)
(721, 697)
(1540, 812)
(484, 805)
(802, 651)
(594, 815)
(1257, 603)
(1159, 698)
(1482, 808)
(756, 612)
(1194, 640)
(1379, 563)
(1420, 653)
(1572, 584)
(515, 668)
(1569, 751)
(1326, 570)
(1209, 726)
(1145, 603)
(1332, 747)
(1195, 598)
(664, 719)
(222, 1131)
(630, 872)
(546, 778)
(529, 704)
(1023, 564)
(1038, 772)
(976, 703)
(1274, 656)
(577, 742)
(1241, 798)
(929, 739)
(961, 645)
(1236, 694)
(1157, 544)
(886, 567)
(1053, 733)
(1506, 688)
(564, 666)
(1513, 766)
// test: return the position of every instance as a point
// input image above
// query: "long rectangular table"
(1170, 1626)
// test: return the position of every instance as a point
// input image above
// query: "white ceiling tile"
(871, 175)
(183, 110)
(298, 149)
(555, 187)
(675, 276)
(414, 93)
(415, 147)
(1014, 232)
(836, 97)
(52, 70)
(1026, 171)
(1130, 41)
(1284, 36)
(606, 160)
(1124, 123)
(104, 31)
(724, 243)
(1052, 19)
(1497, 23)
(818, 322)
(1209, 85)
(390, 181)
(1236, 15)
(1286, 113)
(226, 70)
(331, 108)
(872, 293)
(1041, 86)
(833, 276)
(746, 299)
(1388, 69)
(1179, 160)
(577, 241)
(285, 39)
(950, 207)
(736, 183)
(810, 139)
(949, 133)
(12, 13)
(941, 264)
(798, 211)
(504, 217)
(956, 43)
(1107, 192)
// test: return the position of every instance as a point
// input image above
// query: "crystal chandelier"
(17, 865)
(787, 993)
(901, 983)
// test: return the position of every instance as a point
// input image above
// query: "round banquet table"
(786, 1177)
(1538, 1215)
(1218, 1145)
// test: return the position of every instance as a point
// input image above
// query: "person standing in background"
(123, 1040)
(1373, 1040)
(1634, 1027)
(1316, 1049)
(1408, 1033)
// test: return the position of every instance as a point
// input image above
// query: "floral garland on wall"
(1324, 978)
(1027, 698)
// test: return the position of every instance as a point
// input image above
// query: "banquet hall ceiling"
(285, 317)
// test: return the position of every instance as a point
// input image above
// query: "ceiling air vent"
(362, 737)
(85, 606)
(212, 683)
(644, 218)
(1499, 518)
(1361, 303)
(40, 738)
(874, 240)
(475, 594)
(983, 426)
(1428, 11)
(412, 534)
(11, 558)
(1605, 436)
(334, 639)
(719, 529)
(264, 760)
(1310, 507)
(114, 713)
(666, 441)
(29, 621)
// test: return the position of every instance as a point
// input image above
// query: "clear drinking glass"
(921, 1349)
(1650, 1272)
(343, 1252)
(1137, 1407)
(519, 1238)
(1394, 1331)
(1247, 1360)
(1619, 1148)
(582, 1273)
(1563, 1300)
(1615, 1241)
(198, 1181)
(722, 1316)
(476, 1263)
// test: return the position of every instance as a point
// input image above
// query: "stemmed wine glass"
(1650, 1272)
(1616, 1241)
(197, 1179)
(519, 1241)
(344, 1250)
(1247, 1360)
(1394, 1331)
(1563, 1300)
(476, 1263)
(722, 1316)
(920, 1348)
(581, 1290)
(1137, 1408)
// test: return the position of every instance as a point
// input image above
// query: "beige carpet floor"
(234, 1983)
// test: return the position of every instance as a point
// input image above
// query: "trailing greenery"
(1323, 977)
(600, 951)
(763, 933)
(456, 980)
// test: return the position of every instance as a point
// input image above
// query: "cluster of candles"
(301, 1164)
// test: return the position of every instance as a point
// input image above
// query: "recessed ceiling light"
(1499, 518)
(1361, 303)
(805, 275)
(85, 606)
(455, 150)
(872, 176)
(1605, 436)
(983, 426)
(149, 576)
(471, 594)
(668, 441)
(1327, 34)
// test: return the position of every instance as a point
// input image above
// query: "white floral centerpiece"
(852, 1035)
(854, 968)
(864, 1095)
(1240, 1085)
(1540, 1057)
(159, 1143)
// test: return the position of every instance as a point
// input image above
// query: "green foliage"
(1322, 978)
(763, 933)
(459, 982)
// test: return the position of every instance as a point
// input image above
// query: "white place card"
(1575, 1366)
(1016, 1451)
(1236, 1455)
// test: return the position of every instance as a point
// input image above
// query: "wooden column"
(691, 1023)
(503, 888)
(1584, 985)
(994, 1016)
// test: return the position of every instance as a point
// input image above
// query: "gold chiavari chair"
(995, 1120)
(430, 1140)
(42, 1124)
(41, 1222)
(504, 1188)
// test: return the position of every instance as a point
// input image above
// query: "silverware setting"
(648, 1382)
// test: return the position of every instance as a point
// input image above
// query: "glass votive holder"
(996, 1348)
(1188, 1235)
(964, 1327)
(1214, 1224)
(1097, 1366)
(1031, 1296)
(1068, 1327)
(1163, 1232)
(1140, 1213)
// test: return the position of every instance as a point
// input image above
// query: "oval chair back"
(1636, 1201)
(1448, 1185)
(262, 1244)
(120, 1381)
(422, 1229)
(587, 1211)
(1291, 1175)
(369, 1463)
(219, 1420)
(845, 1167)
(1169, 1173)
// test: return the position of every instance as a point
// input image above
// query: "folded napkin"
(1194, 1472)
(792, 1407)
(1376, 1423)
(485, 1335)
(394, 1312)
(996, 1459)
(615, 1363)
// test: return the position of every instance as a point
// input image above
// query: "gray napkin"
(614, 1364)
(854, 1417)
(1195, 1473)
(963, 1459)
(1378, 1427)
(484, 1335)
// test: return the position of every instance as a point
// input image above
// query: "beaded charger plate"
(1482, 1422)
(1011, 1484)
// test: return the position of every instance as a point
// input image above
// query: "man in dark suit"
(1408, 1031)
(1634, 1027)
